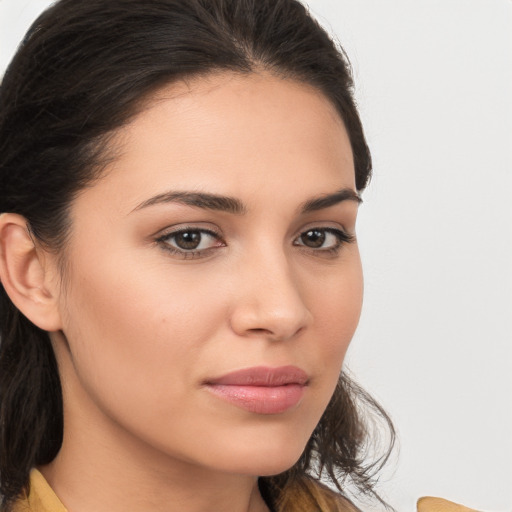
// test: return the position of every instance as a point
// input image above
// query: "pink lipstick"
(261, 390)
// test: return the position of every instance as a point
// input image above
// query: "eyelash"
(342, 238)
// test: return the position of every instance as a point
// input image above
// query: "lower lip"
(260, 399)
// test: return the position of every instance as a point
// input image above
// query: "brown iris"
(313, 238)
(188, 239)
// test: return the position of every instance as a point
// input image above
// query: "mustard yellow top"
(43, 499)
(440, 505)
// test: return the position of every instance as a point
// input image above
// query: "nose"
(268, 301)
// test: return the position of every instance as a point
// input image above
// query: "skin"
(137, 329)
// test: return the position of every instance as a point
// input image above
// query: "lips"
(261, 390)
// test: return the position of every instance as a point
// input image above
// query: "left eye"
(322, 238)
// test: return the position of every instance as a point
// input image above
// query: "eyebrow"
(325, 201)
(233, 205)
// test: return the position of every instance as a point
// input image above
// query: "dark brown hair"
(84, 70)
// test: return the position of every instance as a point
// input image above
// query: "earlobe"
(25, 275)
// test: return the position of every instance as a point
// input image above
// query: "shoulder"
(305, 494)
(332, 501)
(429, 504)
(41, 497)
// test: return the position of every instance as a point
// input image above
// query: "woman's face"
(220, 239)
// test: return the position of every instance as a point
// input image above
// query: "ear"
(26, 274)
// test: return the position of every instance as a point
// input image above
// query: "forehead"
(232, 134)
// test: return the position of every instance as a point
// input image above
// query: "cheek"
(135, 334)
(335, 299)
(337, 306)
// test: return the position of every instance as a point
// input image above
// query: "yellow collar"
(42, 499)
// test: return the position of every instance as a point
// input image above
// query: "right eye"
(190, 242)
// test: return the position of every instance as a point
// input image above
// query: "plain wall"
(433, 81)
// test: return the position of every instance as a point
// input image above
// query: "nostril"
(274, 334)
(260, 331)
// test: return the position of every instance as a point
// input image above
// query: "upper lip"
(263, 376)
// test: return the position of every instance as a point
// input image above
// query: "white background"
(434, 85)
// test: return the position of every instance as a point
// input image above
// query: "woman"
(180, 276)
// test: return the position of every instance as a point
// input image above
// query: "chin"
(264, 457)
(268, 466)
